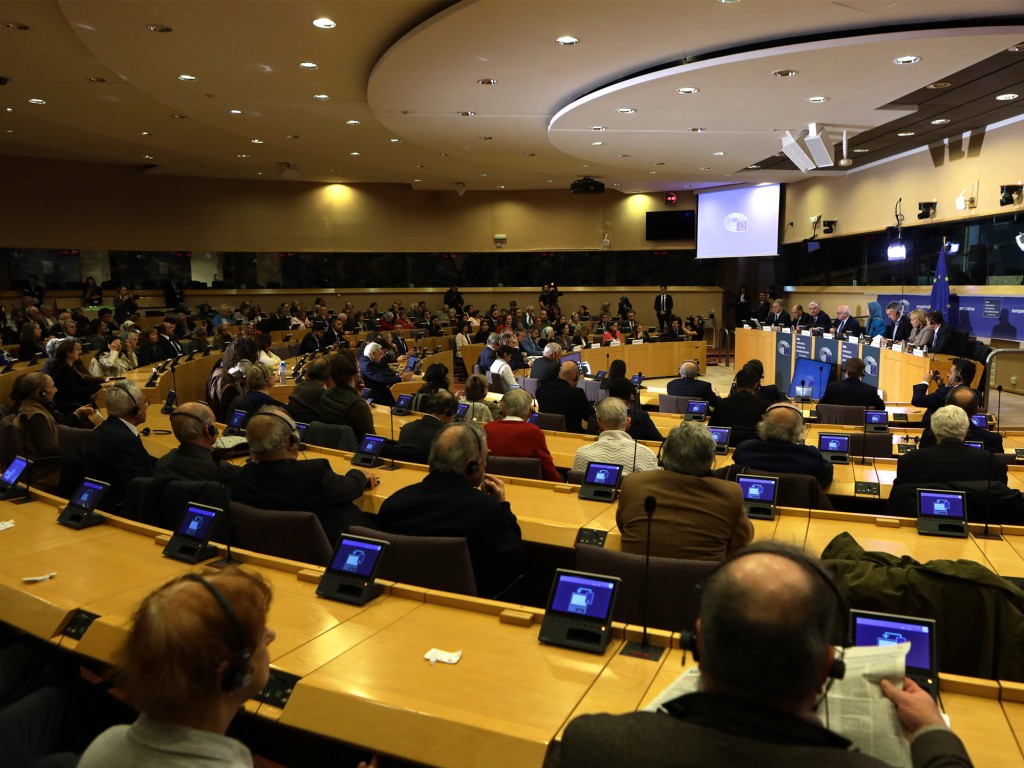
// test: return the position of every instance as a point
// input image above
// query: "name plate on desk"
(866, 489)
(767, 328)
(918, 353)
(787, 330)
(828, 335)
(805, 333)
(897, 346)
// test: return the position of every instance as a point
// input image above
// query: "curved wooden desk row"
(363, 677)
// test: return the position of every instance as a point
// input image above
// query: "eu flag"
(940, 287)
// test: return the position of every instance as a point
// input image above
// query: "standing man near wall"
(663, 308)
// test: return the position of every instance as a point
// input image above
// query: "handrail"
(725, 346)
(988, 380)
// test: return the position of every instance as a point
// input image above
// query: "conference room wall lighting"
(926, 210)
(1009, 194)
(828, 226)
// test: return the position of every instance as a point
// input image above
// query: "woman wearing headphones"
(258, 382)
(75, 385)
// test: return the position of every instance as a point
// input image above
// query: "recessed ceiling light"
(259, 173)
(355, 154)
(688, 91)
(145, 133)
(623, 156)
(96, 79)
(393, 140)
(8, 109)
(180, 117)
(158, 28)
(8, 130)
(242, 156)
(818, 99)
(442, 154)
(501, 186)
(549, 181)
(728, 2)
(529, 154)
(308, 64)
(291, 136)
(940, 121)
(937, 86)
(597, 128)
(718, 154)
(419, 166)
(187, 78)
(353, 122)
(616, 184)
(906, 60)
(487, 81)
(904, 134)
(485, 138)
(861, 150)
(37, 101)
(786, 73)
(321, 96)
(483, 174)
(625, 110)
(753, 167)
(657, 164)
(1015, 48)
(653, 173)
(324, 23)
(257, 141)
(235, 112)
(16, 26)
(567, 40)
(1006, 97)
(417, 180)
(465, 113)
(147, 157)
(585, 165)
(696, 130)
(597, 143)
(705, 168)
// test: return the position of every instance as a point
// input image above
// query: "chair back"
(551, 421)
(434, 562)
(852, 415)
(515, 466)
(10, 440)
(877, 444)
(674, 600)
(530, 385)
(673, 403)
(290, 534)
(593, 389)
(341, 437)
(497, 384)
(795, 490)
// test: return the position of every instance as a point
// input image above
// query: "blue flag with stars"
(940, 288)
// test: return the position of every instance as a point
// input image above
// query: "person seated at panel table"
(277, 480)
(741, 410)
(920, 332)
(845, 323)
(513, 436)
(545, 368)
(698, 517)
(675, 332)
(343, 403)
(799, 319)
(876, 320)
(564, 396)
(304, 401)
(942, 333)
(949, 460)
(777, 448)
(114, 452)
(459, 498)
(778, 315)
(767, 601)
(613, 444)
(818, 318)
(967, 398)
(611, 334)
(961, 373)
(416, 437)
(851, 390)
(377, 374)
(195, 428)
(899, 327)
(195, 652)
(689, 385)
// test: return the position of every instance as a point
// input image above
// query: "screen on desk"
(603, 474)
(881, 630)
(582, 597)
(238, 419)
(88, 494)
(979, 420)
(876, 417)
(461, 410)
(411, 361)
(356, 556)
(302, 429)
(760, 489)
(810, 373)
(403, 401)
(371, 445)
(720, 434)
(973, 444)
(574, 357)
(697, 406)
(13, 472)
(834, 443)
(584, 367)
(637, 379)
(197, 522)
(947, 505)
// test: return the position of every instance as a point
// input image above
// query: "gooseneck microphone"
(986, 533)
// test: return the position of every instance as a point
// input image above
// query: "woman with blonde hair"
(920, 333)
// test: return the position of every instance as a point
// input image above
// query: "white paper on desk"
(446, 657)
(688, 682)
(5, 524)
(877, 341)
(857, 709)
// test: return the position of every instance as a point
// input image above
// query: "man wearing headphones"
(966, 399)
(416, 437)
(763, 638)
(851, 390)
(961, 373)
(459, 498)
(315, 340)
(564, 396)
(688, 385)
(778, 448)
(277, 480)
(114, 451)
(304, 401)
(193, 425)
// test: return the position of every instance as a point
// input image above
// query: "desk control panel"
(80, 621)
(591, 536)
(278, 689)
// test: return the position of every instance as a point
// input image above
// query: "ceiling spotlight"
(1007, 97)
(688, 91)
(567, 40)
(158, 28)
(465, 113)
(791, 147)
(188, 78)
(753, 167)
(897, 250)
(818, 99)
(926, 210)
(905, 134)
(1009, 194)
(906, 60)
(308, 64)
(625, 110)
(235, 112)
(353, 122)
(487, 81)
(963, 200)
(940, 121)
(938, 86)
(829, 226)
(324, 23)
(37, 101)
(321, 96)
(785, 73)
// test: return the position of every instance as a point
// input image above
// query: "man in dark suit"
(564, 396)
(514, 436)
(416, 437)
(949, 460)
(545, 368)
(278, 481)
(688, 385)
(777, 449)
(967, 398)
(851, 390)
(778, 315)
(942, 334)
(459, 498)
(845, 323)
(769, 601)
(304, 401)
(114, 452)
(335, 333)
(194, 426)
(799, 319)
(489, 353)
(315, 340)
(899, 327)
(174, 294)
(762, 308)
(818, 318)
(961, 373)
(166, 344)
(742, 410)
(663, 308)
(279, 321)
(675, 332)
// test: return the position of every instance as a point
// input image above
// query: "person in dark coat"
(304, 401)
(851, 390)
(688, 385)
(846, 324)
(967, 398)
(546, 368)
(777, 449)
(950, 460)
(742, 410)
(416, 437)
(961, 373)
(564, 396)
(195, 428)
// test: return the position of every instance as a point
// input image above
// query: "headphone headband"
(239, 672)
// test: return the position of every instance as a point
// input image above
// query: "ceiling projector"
(587, 186)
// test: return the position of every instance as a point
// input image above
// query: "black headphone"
(124, 388)
(473, 466)
(293, 431)
(239, 671)
(688, 640)
(210, 429)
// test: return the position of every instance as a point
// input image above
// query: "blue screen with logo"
(371, 445)
(582, 597)
(88, 494)
(761, 489)
(834, 443)
(404, 401)
(720, 434)
(13, 471)
(876, 417)
(356, 556)
(872, 631)
(941, 504)
(603, 474)
(238, 419)
(196, 522)
(697, 406)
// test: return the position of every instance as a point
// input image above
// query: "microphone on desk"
(394, 442)
(644, 650)
(986, 533)
(999, 410)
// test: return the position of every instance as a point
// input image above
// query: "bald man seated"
(778, 449)
(194, 426)
(763, 639)
(688, 385)
(564, 396)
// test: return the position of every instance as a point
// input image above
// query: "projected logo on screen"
(825, 355)
(736, 222)
(784, 348)
(870, 366)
